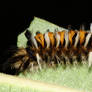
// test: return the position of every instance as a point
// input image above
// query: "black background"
(15, 18)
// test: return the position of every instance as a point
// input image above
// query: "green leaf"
(37, 25)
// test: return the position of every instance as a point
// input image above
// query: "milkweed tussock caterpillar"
(53, 48)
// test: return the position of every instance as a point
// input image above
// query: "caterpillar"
(59, 47)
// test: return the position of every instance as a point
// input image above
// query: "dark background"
(16, 17)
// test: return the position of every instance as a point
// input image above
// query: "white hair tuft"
(91, 27)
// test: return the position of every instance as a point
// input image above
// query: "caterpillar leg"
(83, 59)
(58, 59)
(90, 59)
(38, 60)
(74, 59)
(67, 60)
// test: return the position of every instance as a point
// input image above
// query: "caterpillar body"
(59, 46)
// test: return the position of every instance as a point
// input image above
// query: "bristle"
(87, 39)
(90, 59)
(47, 39)
(51, 37)
(20, 51)
(57, 36)
(76, 40)
(91, 27)
(40, 39)
(82, 27)
(28, 34)
(66, 39)
(69, 27)
(33, 40)
(38, 61)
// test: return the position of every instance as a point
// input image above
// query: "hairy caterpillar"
(60, 47)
